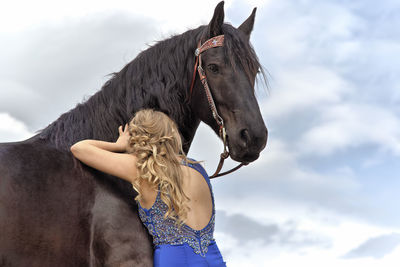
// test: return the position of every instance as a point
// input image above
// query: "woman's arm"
(108, 157)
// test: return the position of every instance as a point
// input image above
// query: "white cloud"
(174, 14)
(306, 87)
(344, 232)
(376, 247)
(347, 126)
(48, 69)
(206, 147)
(306, 32)
(12, 129)
(278, 173)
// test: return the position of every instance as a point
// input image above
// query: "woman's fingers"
(124, 130)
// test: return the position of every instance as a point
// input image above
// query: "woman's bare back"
(196, 188)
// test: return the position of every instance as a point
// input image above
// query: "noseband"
(216, 41)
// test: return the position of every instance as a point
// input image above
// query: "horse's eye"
(213, 68)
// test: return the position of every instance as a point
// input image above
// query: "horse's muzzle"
(246, 147)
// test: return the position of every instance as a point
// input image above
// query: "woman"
(175, 199)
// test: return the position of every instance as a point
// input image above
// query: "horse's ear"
(215, 25)
(247, 25)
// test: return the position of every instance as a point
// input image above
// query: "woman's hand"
(123, 138)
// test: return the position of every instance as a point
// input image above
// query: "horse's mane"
(158, 78)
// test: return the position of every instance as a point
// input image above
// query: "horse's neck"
(125, 93)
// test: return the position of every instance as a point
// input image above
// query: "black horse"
(54, 211)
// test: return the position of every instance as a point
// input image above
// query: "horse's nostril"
(244, 134)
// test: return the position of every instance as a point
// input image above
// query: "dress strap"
(155, 202)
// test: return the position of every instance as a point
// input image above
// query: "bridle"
(216, 41)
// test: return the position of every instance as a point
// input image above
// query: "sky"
(325, 190)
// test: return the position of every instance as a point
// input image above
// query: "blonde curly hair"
(156, 142)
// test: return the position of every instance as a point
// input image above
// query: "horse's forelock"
(238, 50)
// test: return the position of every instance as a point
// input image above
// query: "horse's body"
(54, 211)
(55, 214)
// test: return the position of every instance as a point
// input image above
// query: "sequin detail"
(164, 231)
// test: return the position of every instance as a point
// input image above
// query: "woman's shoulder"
(190, 162)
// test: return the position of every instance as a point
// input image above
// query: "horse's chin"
(244, 158)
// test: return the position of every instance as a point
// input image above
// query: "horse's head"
(231, 72)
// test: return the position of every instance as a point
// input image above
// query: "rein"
(216, 41)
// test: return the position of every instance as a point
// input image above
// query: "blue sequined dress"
(185, 246)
